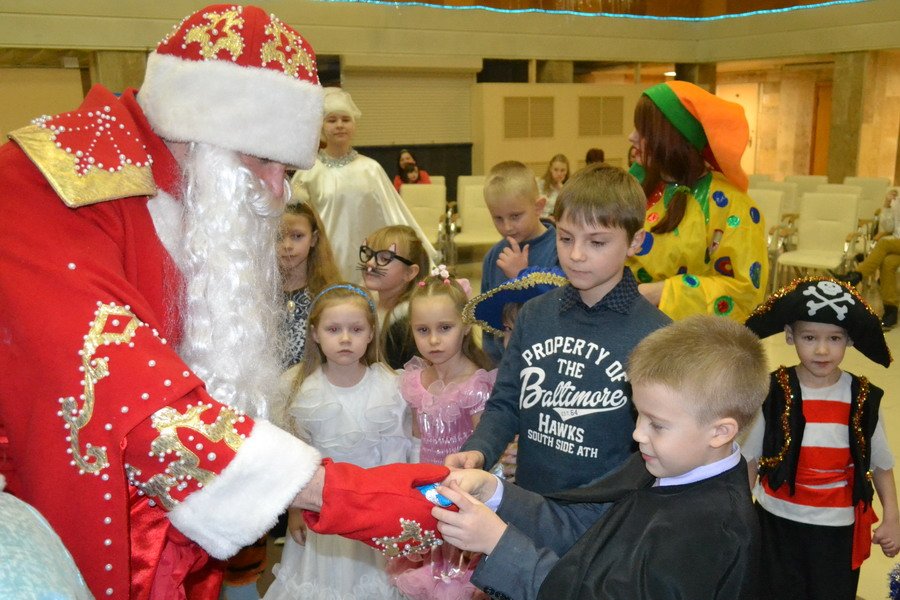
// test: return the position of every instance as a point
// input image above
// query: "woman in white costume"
(351, 192)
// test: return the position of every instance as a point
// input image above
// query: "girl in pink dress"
(446, 389)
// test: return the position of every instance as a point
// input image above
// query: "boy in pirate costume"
(820, 444)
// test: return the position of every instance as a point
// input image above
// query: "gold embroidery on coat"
(97, 185)
(94, 459)
(167, 421)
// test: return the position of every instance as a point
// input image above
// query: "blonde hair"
(341, 293)
(435, 285)
(717, 365)
(510, 178)
(601, 194)
(410, 247)
(548, 174)
(320, 268)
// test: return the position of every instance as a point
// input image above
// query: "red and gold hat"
(715, 127)
(238, 78)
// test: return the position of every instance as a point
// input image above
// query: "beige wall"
(370, 29)
(881, 117)
(491, 146)
(29, 93)
(784, 119)
(403, 105)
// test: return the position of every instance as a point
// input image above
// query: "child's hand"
(296, 525)
(887, 535)
(470, 459)
(513, 258)
(475, 527)
(480, 484)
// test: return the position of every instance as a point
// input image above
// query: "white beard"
(222, 237)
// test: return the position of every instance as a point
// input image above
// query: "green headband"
(667, 101)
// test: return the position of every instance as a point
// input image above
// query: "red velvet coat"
(111, 436)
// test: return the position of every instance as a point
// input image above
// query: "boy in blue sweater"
(562, 385)
(512, 197)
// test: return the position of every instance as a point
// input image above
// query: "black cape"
(687, 542)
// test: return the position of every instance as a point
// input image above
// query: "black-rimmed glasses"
(382, 257)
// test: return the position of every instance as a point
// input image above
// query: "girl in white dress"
(348, 406)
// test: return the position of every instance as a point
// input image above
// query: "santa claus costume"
(135, 423)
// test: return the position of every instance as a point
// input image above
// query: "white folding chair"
(428, 204)
(826, 233)
(791, 203)
(806, 183)
(758, 177)
(476, 226)
(769, 203)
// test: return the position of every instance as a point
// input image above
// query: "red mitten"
(379, 506)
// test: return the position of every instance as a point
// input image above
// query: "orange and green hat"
(715, 127)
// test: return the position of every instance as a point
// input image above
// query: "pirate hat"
(823, 300)
(487, 309)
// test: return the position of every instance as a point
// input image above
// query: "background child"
(552, 181)
(446, 390)
(512, 198)
(818, 438)
(307, 267)
(562, 385)
(348, 406)
(682, 524)
(392, 259)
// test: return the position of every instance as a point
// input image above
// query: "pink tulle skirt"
(444, 575)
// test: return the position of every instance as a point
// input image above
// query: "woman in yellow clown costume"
(705, 247)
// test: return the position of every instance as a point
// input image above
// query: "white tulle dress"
(367, 425)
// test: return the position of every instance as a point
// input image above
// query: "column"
(118, 70)
(701, 74)
(850, 71)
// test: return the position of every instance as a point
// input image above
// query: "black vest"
(864, 401)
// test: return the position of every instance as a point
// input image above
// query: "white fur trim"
(168, 217)
(244, 501)
(252, 110)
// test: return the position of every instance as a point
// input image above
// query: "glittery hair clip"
(346, 286)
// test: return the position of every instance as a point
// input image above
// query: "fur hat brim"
(251, 110)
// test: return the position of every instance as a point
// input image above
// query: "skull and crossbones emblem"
(832, 295)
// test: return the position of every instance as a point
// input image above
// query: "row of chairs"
(449, 226)
(814, 225)
(825, 229)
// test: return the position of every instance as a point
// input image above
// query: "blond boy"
(820, 445)
(681, 523)
(512, 197)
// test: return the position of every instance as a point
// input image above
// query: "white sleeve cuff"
(494, 501)
(243, 502)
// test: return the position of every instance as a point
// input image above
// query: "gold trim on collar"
(59, 168)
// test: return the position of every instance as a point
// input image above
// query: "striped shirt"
(824, 486)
